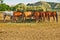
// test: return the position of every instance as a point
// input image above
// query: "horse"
(7, 13)
(17, 15)
(39, 16)
(13, 15)
(42, 15)
(36, 16)
(53, 14)
(27, 14)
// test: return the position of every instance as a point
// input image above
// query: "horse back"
(27, 14)
(9, 13)
(36, 13)
(17, 14)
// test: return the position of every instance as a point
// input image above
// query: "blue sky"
(14, 2)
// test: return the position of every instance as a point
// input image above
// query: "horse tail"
(56, 17)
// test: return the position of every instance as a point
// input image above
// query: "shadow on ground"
(18, 21)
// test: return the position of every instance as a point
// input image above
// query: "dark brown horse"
(49, 14)
(42, 15)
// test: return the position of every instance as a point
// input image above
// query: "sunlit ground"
(30, 31)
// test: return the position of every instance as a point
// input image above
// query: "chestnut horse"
(27, 14)
(49, 14)
(16, 15)
(39, 16)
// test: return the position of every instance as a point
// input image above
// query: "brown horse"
(42, 15)
(36, 16)
(39, 16)
(49, 14)
(27, 14)
(16, 15)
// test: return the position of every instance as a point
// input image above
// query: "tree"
(21, 7)
(4, 7)
(39, 8)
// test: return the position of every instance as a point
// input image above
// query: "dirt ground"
(30, 31)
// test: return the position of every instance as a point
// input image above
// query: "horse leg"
(24, 19)
(11, 18)
(17, 19)
(14, 19)
(44, 17)
(41, 18)
(48, 17)
(4, 17)
(53, 18)
(56, 17)
(37, 19)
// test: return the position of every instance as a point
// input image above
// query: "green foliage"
(23, 7)
(20, 7)
(45, 6)
(13, 8)
(4, 7)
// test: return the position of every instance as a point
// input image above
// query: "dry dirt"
(30, 31)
